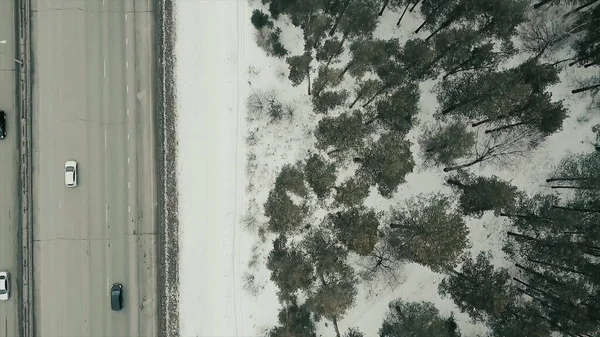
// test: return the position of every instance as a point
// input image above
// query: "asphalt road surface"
(93, 103)
(9, 171)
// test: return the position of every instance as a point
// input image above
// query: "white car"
(4, 286)
(71, 173)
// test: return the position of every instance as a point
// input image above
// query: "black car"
(2, 124)
(116, 297)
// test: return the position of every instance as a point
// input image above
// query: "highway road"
(93, 102)
(9, 171)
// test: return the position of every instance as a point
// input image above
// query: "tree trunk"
(591, 87)
(571, 179)
(335, 327)
(469, 164)
(403, 12)
(535, 298)
(359, 96)
(555, 187)
(576, 209)
(526, 217)
(346, 68)
(489, 120)
(441, 27)
(577, 9)
(456, 183)
(541, 3)
(458, 105)
(379, 92)
(370, 121)
(538, 274)
(590, 64)
(339, 18)
(455, 14)
(461, 65)
(415, 5)
(561, 61)
(571, 270)
(385, 3)
(308, 76)
(338, 51)
(444, 53)
(504, 127)
(521, 236)
(425, 22)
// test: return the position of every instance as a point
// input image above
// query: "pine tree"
(480, 194)
(416, 319)
(478, 289)
(386, 163)
(426, 231)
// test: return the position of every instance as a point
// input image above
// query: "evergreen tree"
(353, 332)
(320, 175)
(290, 269)
(343, 135)
(299, 69)
(523, 319)
(356, 228)
(366, 54)
(587, 47)
(480, 194)
(426, 231)
(352, 192)
(260, 19)
(335, 290)
(386, 163)
(416, 319)
(398, 112)
(443, 144)
(478, 289)
(294, 321)
(284, 214)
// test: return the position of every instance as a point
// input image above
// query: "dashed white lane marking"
(127, 112)
(128, 185)
(128, 161)
(126, 41)
(126, 64)
(106, 213)
(128, 209)
(127, 88)
(105, 143)
(104, 66)
(125, 16)
(127, 136)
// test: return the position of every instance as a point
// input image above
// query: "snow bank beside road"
(210, 92)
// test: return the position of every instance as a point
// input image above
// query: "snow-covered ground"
(212, 39)
(218, 66)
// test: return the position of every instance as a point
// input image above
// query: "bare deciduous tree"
(379, 270)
